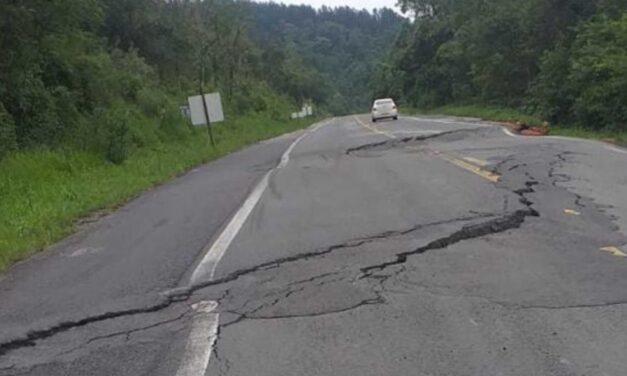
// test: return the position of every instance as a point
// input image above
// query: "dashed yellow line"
(373, 129)
(478, 162)
(571, 212)
(614, 251)
(488, 175)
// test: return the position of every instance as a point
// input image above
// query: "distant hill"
(342, 44)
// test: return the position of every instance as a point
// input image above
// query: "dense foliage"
(341, 46)
(108, 76)
(563, 59)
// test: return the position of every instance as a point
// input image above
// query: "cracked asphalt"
(435, 246)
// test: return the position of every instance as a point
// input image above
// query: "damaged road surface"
(427, 246)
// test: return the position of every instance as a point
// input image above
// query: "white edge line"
(201, 340)
(448, 121)
(616, 149)
(509, 133)
(206, 267)
(204, 332)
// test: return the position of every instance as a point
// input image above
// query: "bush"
(7, 132)
(550, 93)
(173, 126)
(33, 110)
(118, 146)
(112, 134)
(152, 102)
(599, 73)
(132, 73)
(586, 83)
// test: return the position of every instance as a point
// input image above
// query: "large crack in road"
(401, 142)
(504, 223)
(183, 294)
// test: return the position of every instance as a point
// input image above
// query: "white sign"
(306, 110)
(185, 111)
(214, 109)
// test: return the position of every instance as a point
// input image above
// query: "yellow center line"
(478, 162)
(488, 175)
(373, 129)
(614, 251)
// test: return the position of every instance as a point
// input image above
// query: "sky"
(359, 4)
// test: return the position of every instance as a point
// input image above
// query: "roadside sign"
(185, 111)
(306, 110)
(214, 109)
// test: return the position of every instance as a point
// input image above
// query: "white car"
(384, 109)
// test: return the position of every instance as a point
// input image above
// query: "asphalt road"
(425, 246)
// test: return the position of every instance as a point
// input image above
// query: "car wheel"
(395, 117)
(374, 120)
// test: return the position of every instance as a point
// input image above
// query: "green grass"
(44, 192)
(605, 135)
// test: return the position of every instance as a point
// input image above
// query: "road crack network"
(30, 338)
(390, 144)
(501, 224)
(492, 223)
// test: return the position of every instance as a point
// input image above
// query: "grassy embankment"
(513, 115)
(44, 192)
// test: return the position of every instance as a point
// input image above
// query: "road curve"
(424, 246)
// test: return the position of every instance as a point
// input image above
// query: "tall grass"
(44, 192)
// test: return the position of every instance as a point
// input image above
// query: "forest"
(108, 76)
(342, 45)
(562, 60)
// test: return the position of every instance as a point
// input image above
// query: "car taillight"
(374, 108)
(394, 107)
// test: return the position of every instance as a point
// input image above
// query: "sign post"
(206, 110)
(206, 113)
